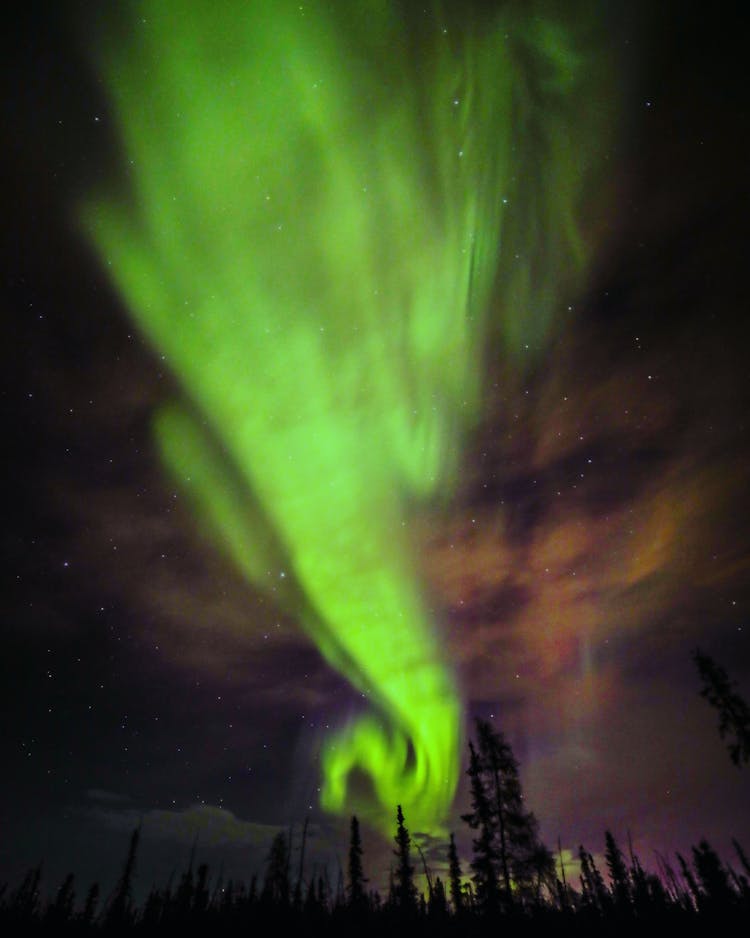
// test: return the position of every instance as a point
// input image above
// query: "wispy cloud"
(210, 825)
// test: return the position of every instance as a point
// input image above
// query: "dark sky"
(598, 535)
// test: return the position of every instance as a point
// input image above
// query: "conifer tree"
(276, 880)
(437, 904)
(356, 885)
(404, 890)
(542, 864)
(594, 891)
(507, 853)
(618, 873)
(184, 895)
(734, 711)
(693, 899)
(89, 906)
(121, 904)
(716, 892)
(485, 860)
(311, 899)
(562, 891)
(324, 891)
(60, 912)
(201, 896)
(252, 893)
(454, 872)
(25, 900)
(647, 892)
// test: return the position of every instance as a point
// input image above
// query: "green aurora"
(329, 211)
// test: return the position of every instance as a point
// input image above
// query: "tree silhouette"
(713, 878)
(89, 906)
(184, 895)
(454, 872)
(355, 885)
(485, 862)
(594, 892)
(508, 855)
(695, 896)
(541, 865)
(618, 873)
(276, 880)
(437, 905)
(404, 890)
(357, 880)
(734, 712)
(708, 894)
(649, 893)
(120, 910)
(25, 900)
(60, 912)
(201, 896)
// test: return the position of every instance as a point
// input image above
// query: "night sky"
(598, 533)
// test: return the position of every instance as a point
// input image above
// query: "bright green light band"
(318, 208)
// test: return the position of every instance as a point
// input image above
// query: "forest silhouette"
(512, 882)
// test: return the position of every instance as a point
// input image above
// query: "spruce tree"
(594, 891)
(618, 873)
(121, 904)
(201, 895)
(356, 885)
(734, 711)
(508, 854)
(404, 890)
(694, 899)
(716, 891)
(437, 905)
(485, 860)
(89, 907)
(60, 912)
(276, 881)
(454, 872)
(541, 864)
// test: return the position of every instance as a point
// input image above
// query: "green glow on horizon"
(312, 234)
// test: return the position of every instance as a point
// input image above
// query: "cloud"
(210, 825)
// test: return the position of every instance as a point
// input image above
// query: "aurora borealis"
(331, 356)
(470, 371)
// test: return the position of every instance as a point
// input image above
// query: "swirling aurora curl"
(328, 209)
